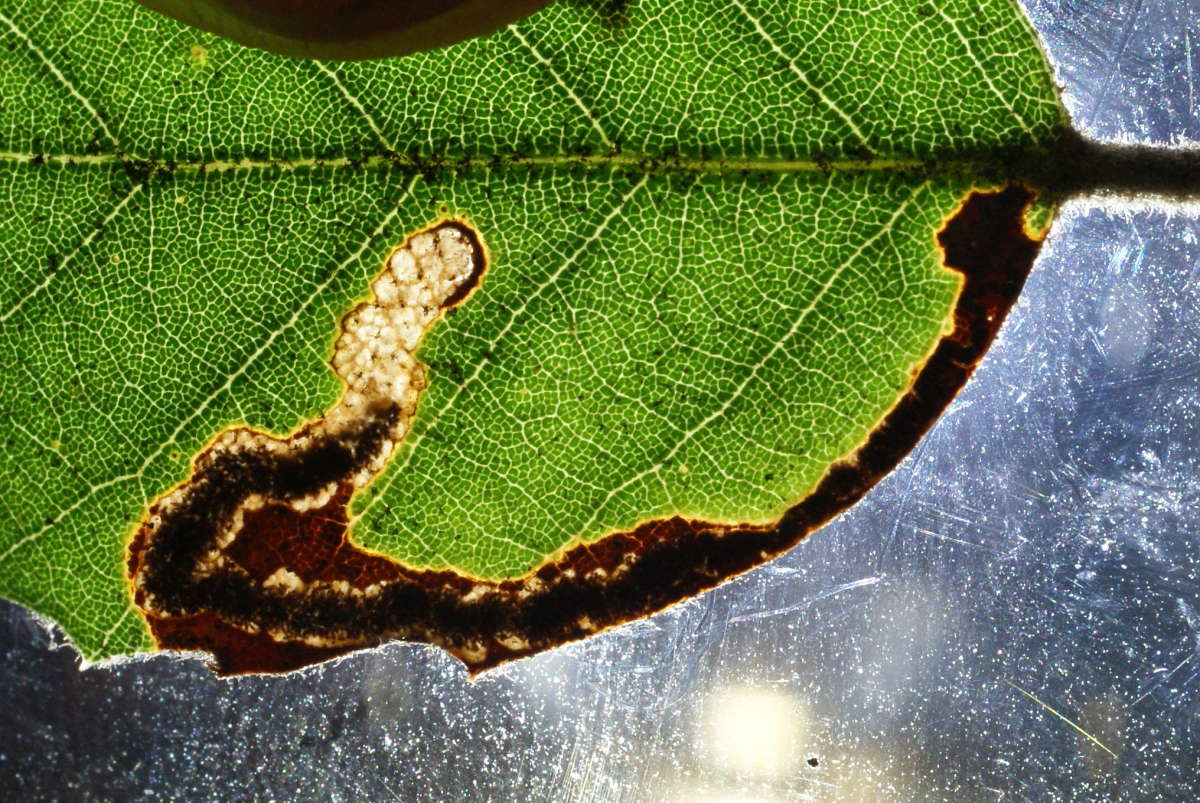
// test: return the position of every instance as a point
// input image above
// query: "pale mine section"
(375, 357)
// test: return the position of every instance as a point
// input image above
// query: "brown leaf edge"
(591, 587)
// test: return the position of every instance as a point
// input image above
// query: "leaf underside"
(712, 271)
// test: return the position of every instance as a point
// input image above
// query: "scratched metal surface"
(1038, 553)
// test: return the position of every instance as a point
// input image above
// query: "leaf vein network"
(984, 73)
(59, 75)
(558, 79)
(354, 102)
(66, 260)
(797, 322)
(803, 76)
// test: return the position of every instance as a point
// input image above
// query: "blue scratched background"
(1014, 613)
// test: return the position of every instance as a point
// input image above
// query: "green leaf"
(711, 273)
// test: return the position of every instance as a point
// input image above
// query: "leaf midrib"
(966, 163)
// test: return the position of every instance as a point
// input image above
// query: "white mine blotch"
(375, 356)
(376, 353)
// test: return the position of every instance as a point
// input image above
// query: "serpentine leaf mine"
(250, 559)
(715, 308)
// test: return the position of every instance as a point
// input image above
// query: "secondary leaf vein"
(803, 76)
(549, 65)
(58, 75)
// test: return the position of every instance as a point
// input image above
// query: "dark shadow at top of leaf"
(612, 14)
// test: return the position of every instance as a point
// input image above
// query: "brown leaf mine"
(249, 558)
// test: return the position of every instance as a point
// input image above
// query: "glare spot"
(757, 731)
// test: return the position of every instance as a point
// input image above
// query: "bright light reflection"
(756, 731)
